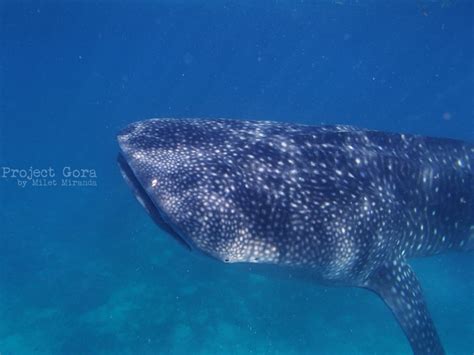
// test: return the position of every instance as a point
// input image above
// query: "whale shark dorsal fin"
(396, 283)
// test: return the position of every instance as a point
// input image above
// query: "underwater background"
(83, 269)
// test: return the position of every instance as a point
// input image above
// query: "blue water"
(83, 270)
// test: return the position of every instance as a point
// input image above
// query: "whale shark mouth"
(145, 200)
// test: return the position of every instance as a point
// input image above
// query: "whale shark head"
(345, 205)
(185, 173)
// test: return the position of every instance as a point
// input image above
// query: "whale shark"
(342, 205)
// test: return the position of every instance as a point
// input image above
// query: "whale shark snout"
(142, 193)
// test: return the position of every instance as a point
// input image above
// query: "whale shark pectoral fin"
(398, 286)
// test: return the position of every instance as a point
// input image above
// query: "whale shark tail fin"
(396, 283)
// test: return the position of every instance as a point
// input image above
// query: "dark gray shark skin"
(346, 206)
